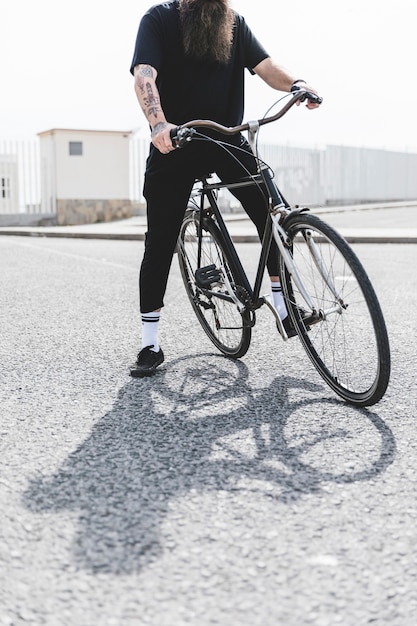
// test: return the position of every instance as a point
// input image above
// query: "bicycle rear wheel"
(227, 327)
(344, 332)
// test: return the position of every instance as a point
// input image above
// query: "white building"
(85, 175)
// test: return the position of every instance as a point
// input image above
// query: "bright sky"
(65, 65)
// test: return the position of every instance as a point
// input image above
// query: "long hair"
(207, 29)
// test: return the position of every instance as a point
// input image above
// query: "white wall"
(102, 171)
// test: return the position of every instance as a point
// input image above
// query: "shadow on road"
(199, 425)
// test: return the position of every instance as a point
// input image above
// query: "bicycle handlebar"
(184, 133)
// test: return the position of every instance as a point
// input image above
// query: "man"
(189, 63)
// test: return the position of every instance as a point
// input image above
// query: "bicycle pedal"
(205, 276)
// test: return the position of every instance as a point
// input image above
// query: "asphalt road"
(217, 492)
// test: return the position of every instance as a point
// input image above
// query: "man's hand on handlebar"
(180, 136)
(312, 103)
(161, 137)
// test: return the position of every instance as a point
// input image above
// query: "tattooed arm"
(148, 97)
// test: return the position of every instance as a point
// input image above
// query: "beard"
(207, 29)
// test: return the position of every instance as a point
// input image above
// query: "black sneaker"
(147, 362)
(289, 326)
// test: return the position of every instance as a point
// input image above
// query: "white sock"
(278, 298)
(150, 327)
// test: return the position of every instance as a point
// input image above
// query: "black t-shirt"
(192, 89)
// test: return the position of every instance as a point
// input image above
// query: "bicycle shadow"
(199, 425)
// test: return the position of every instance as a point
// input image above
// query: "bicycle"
(329, 296)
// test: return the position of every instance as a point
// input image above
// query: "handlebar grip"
(314, 98)
(173, 133)
(179, 136)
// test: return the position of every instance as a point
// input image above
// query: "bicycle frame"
(278, 209)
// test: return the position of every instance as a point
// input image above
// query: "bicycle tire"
(349, 344)
(227, 327)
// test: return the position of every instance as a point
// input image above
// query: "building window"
(76, 148)
(5, 188)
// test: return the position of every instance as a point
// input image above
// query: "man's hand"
(161, 137)
(309, 104)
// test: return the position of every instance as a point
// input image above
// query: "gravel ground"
(217, 492)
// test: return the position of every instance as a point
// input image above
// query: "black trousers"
(169, 180)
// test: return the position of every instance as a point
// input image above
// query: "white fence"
(358, 174)
(299, 172)
(332, 175)
(20, 176)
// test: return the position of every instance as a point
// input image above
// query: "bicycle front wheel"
(342, 327)
(212, 290)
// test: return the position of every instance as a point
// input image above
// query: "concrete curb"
(351, 237)
(72, 234)
(240, 227)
